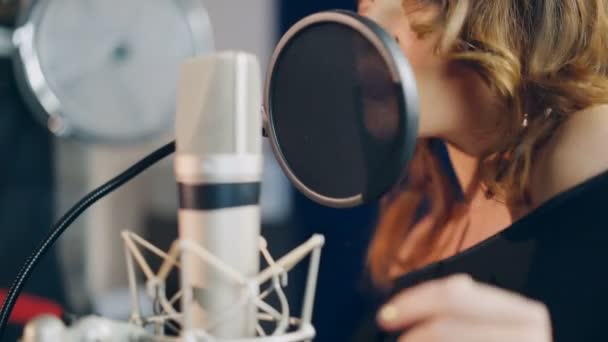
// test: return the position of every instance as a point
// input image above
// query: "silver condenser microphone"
(218, 169)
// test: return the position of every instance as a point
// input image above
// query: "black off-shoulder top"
(558, 254)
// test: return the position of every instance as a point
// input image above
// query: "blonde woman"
(515, 249)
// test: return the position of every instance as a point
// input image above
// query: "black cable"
(68, 219)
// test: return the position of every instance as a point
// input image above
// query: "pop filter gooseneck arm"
(61, 226)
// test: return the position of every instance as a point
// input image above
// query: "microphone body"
(218, 168)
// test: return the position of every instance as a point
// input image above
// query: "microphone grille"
(219, 105)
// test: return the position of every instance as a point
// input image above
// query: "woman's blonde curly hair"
(544, 59)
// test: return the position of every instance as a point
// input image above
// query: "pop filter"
(341, 108)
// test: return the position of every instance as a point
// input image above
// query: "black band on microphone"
(218, 196)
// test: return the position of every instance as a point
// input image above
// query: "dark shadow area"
(27, 196)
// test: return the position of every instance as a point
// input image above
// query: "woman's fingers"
(452, 330)
(459, 297)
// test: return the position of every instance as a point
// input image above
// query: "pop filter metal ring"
(401, 74)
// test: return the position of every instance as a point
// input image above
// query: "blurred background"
(44, 175)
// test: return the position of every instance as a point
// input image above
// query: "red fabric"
(29, 307)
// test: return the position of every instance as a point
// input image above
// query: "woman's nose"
(385, 12)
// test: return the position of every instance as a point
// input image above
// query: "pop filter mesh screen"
(336, 111)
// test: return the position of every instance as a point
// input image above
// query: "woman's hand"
(459, 309)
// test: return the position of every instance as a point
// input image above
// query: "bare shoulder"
(577, 152)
